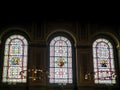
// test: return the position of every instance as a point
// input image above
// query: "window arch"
(60, 60)
(15, 59)
(103, 60)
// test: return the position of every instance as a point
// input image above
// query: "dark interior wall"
(39, 30)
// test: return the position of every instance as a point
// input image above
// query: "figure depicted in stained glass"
(61, 62)
(103, 63)
(15, 61)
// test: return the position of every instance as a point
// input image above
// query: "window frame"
(66, 35)
(115, 56)
(3, 40)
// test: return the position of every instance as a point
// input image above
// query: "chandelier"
(34, 74)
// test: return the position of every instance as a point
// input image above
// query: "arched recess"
(61, 59)
(109, 34)
(14, 43)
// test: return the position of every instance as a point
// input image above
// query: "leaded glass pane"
(103, 62)
(15, 59)
(60, 60)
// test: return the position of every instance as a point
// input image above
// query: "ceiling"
(29, 15)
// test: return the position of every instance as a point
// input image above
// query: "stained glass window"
(60, 60)
(103, 60)
(15, 59)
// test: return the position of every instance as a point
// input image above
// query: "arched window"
(15, 59)
(60, 60)
(103, 60)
